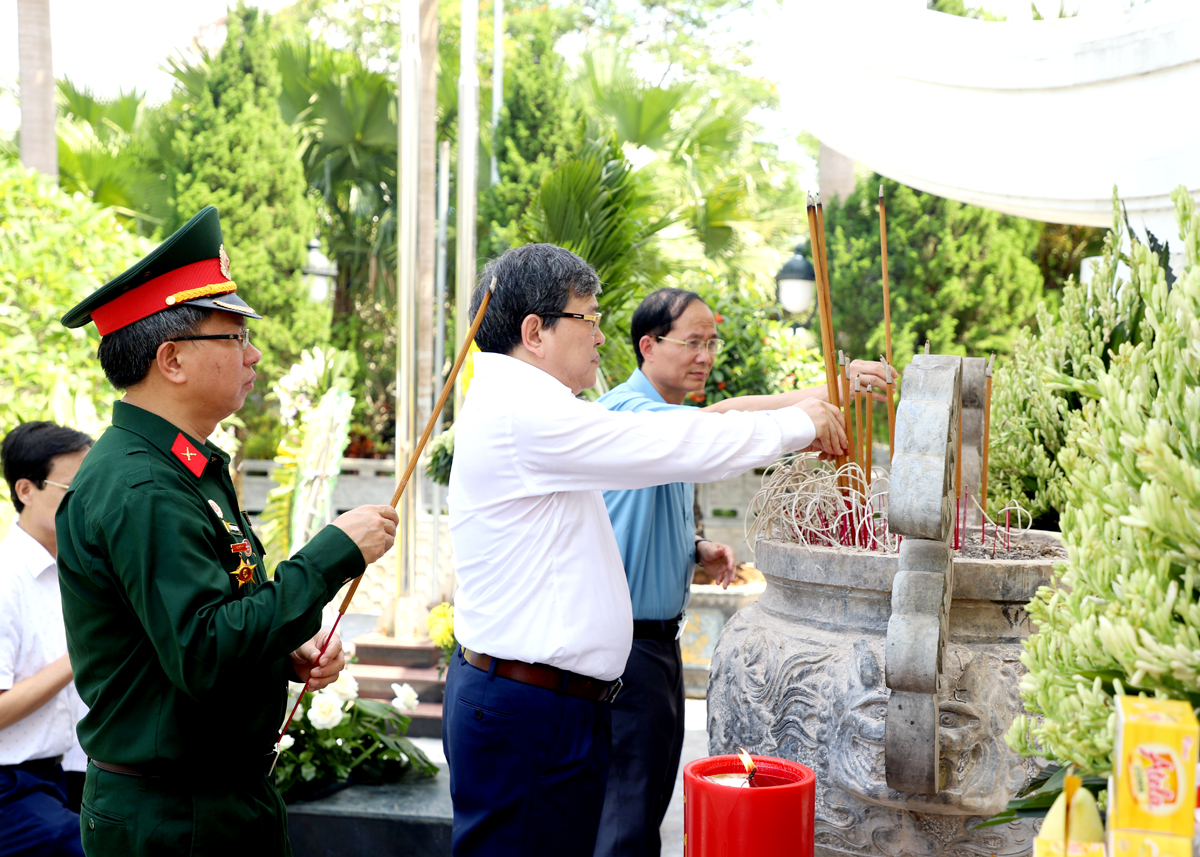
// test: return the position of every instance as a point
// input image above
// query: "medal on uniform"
(232, 528)
(244, 573)
(241, 547)
(212, 504)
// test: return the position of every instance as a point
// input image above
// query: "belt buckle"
(613, 690)
(683, 619)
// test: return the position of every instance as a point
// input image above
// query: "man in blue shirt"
(675, 339)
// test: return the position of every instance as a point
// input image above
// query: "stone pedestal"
(800, 674)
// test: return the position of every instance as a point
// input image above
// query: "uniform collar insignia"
(185, 452)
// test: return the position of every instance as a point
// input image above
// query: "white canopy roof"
(1037, 118)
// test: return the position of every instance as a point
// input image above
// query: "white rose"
(325, 710)
(406, 697)
(285, 743)
(346, 686)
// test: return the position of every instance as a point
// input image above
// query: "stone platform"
(412, 818)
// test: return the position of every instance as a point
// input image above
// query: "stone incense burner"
(895, 678)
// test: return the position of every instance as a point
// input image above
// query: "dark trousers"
(527, 766)
(126, 816)
(647, 728)
(35, 820)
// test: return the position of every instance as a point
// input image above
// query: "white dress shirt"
(539, 572)
(31, 637)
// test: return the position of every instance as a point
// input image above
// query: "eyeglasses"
(712, 346)
(594, 318)
(56, 484)
(243, 337)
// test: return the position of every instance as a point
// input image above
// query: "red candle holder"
(774, 817)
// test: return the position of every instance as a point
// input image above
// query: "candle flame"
(746, 760)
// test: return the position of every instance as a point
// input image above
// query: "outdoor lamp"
(319, 272)
(797, 284)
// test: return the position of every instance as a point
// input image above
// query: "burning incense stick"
(408, 472)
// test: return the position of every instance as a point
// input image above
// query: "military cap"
(191, 267)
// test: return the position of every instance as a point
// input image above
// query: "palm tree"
(38, 149)
(111, 151)
(595, 205)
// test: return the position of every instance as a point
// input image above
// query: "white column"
(408, 171)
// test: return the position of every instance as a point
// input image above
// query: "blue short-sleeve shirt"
(655, 528)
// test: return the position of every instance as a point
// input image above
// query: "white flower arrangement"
(346, 686)
(406, 698)
(325, 710)
(285, 743)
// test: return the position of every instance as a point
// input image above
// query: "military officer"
(181, 645)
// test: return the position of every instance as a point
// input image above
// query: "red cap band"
(151, 296)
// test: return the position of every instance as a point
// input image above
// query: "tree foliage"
(116, 152)
(1035, 399)
(540, 126)
(1126, 616)
(55, 250)
(234, 151)
(596, 206)
(961, 277)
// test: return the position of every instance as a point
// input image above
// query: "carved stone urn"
(800, 675)
(894, 678)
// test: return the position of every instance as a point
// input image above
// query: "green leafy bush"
(55, 249)
(1036, 392)
(1126, 615)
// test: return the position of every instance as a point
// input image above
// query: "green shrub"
(1036, 391)
(1126, 615)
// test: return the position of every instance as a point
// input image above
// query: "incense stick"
(987, 430)
(859, 455)
(891, 408)
(870, 439)
(408, 471)
(887, 300)
(822, 306)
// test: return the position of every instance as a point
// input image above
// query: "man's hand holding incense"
(372, 528)
(313, 668)
(831, 429)
(874, 373)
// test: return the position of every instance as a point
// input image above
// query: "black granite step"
(413, 819)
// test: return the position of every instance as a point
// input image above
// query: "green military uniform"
(178, 640)
(182, 659)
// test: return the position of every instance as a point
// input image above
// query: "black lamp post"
(797, 285)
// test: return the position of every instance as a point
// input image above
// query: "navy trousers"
(527, 766)
(647, 729)
(34, 818)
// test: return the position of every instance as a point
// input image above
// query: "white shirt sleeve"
(578, 446)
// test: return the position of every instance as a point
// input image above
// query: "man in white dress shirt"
(38, 703)
(542, 609)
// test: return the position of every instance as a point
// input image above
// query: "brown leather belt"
(547, 677)
(127, 770)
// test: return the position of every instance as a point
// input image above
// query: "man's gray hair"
(126, 354)
(532, 280)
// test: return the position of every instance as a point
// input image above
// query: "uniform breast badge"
(244, 573)
(212, 504)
